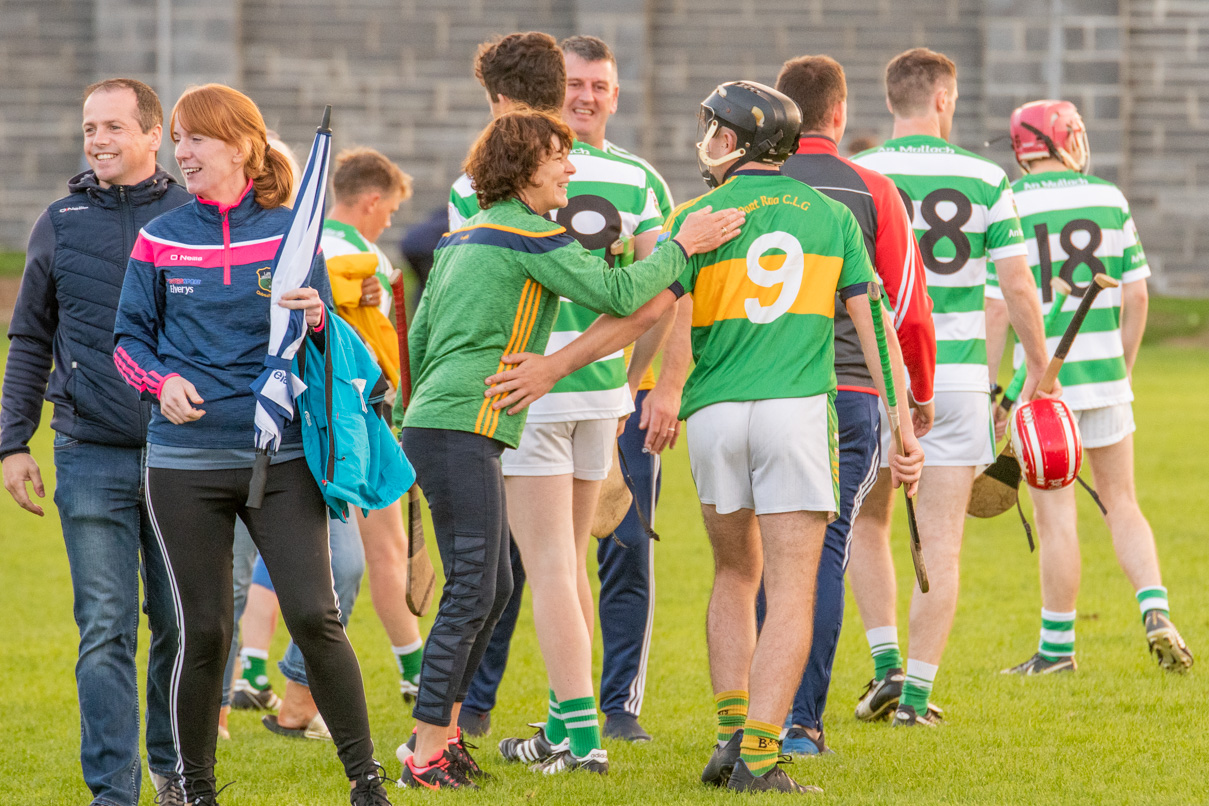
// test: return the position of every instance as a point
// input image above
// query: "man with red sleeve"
(817, 84)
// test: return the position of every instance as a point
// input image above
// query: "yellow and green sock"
(761, 746)
(731, 707)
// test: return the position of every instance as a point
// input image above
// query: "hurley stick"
(917, 555)
(1099, 283)
(420, 577)
(997, 489)
(1061, 290)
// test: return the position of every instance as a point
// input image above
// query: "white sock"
(920, 673)
(882, 639)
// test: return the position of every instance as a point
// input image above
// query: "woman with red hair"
(193, 329)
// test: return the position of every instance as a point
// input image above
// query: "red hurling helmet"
(1046, 439)
(1050, 129)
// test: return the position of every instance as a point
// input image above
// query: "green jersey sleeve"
(1005, 235)
(1133, 258)
(572, 272)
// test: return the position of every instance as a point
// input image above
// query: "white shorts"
(581, 447)
(963, 434)
(1105, 426)
(770, 456)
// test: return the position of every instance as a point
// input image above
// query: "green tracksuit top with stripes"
(611, 195)
(494, 290)
(1074, 226)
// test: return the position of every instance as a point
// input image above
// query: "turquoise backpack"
(352, 454)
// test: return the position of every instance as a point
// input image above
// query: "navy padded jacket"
(77, 257)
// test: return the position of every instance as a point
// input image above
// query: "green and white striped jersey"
(963, 215)
(612, 194)
(1075, 226)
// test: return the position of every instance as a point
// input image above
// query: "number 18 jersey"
(963, 214)
(763, 303)
(1078, 226)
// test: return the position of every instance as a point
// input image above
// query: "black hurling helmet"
(767, 123)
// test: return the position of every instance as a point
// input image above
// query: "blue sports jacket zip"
(195, 303)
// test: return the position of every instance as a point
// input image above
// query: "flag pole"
(260, 466)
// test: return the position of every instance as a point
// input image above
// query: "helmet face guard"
(765, 122)
(706, 131)
(1050, 129)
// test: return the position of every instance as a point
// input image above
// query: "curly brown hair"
(505, 156)
(527, 68)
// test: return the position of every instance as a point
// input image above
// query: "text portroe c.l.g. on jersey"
(1076, 226)
(963, 215)
(763, 303)
(611, 195)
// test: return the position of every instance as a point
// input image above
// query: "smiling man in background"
(77, 257)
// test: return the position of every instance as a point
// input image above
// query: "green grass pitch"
(1120, 731)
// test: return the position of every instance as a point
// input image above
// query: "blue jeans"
(860, 447)
(99, 493)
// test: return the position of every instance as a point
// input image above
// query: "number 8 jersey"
(763, 303)
(963, 213)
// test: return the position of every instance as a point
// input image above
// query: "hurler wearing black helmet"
(759, 403)
(765, 122)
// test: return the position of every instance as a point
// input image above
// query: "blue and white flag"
(277, 386)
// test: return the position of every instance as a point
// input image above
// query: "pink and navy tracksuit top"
(195, 303)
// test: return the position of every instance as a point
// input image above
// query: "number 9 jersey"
(963, 213)
(763, 303)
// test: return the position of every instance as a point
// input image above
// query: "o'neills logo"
(264, 282)
(178, 256)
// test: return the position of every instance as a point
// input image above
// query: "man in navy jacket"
(62, 349)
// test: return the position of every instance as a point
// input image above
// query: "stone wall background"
(399, 76)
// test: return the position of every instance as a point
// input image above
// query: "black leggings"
(461, 477)
(194, 512)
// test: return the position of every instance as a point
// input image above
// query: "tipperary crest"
(264, 281)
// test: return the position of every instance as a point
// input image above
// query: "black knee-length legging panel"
(194, 514)
(461, 477)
